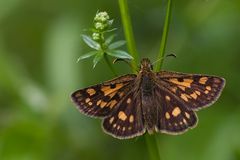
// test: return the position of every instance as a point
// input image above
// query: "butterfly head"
(146, 65)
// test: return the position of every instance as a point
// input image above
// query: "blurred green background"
(40, 43)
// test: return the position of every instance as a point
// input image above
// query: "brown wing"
(126, 121)
(174, 117)
(196, 91)
(99, 100)
(179, 94)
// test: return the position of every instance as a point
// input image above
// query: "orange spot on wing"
(111, 120)
(87, 100)
(194, 95)
(176, 111)
(174, 89)
(198, 93)
(112, 103)
(131, 118)
(209, 88)
(167, 115)
(103, 104)
(184, 121)
(99, 102)
(108, 90)
(91, 91)
(184, 97)
(185, 82)
(167, 98)
(122, 116)
(182, 88)
(129, 100)
(203, 80)
(187, 115)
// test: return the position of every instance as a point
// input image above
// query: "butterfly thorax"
(146, 65)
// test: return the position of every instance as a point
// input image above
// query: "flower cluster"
(103, 47)
(102, 23)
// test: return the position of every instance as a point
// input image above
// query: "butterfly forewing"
(126, 121)
(99, 100)
(196, 91)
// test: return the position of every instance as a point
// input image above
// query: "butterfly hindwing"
(99, 100)
(195, 90)
(174, 117)
(126, 121)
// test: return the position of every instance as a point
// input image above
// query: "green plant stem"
(127, 25)
(164, 36)
(109, 64)
(151, 142)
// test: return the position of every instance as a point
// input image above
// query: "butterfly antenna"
(168, 55)
(124, 60)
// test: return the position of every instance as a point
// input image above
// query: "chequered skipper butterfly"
(157, 102)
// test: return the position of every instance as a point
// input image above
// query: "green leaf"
(110, 39)
(87, 55)
(119, 54)
(97, 58)
(110, 30)
(91, 43)
(117, 44)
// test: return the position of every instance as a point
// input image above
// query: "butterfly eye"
(151, 66)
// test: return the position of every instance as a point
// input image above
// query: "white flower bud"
(95, 36)
(101, 17)
(98, 25)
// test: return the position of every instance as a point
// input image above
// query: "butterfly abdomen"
(148, 106)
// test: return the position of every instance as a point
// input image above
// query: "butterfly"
(150, 101)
